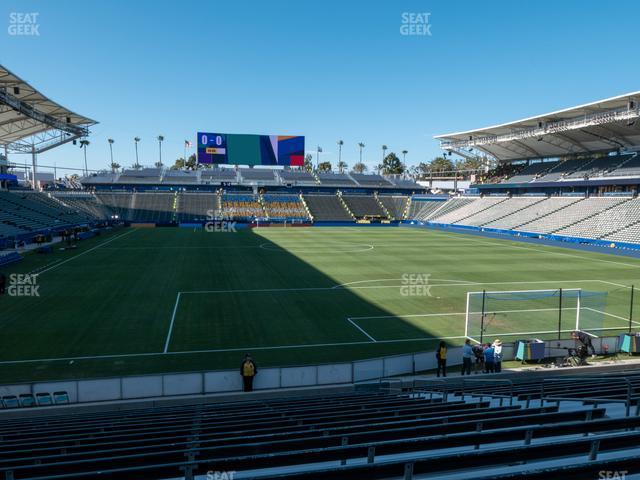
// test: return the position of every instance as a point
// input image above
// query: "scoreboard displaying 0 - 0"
(242, 149)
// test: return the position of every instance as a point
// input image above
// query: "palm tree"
(361, 146)
(384, 151)
(318, 152)
(404, 155)
(84, 144)
(160, 140)
(111, 140)
(137, 165)
(340, 143)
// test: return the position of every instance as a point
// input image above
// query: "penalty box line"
(353, 320)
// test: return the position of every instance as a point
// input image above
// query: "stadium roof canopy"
(32, 123)
(602, 126)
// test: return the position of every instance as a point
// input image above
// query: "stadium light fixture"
(136, 140)
(340, 143)
(111, 141)
(84, 144)
(361, 146)
(160, 140)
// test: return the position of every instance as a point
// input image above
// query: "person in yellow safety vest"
(248, 370)
(441, 357)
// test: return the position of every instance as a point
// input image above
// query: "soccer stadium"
(250, 305)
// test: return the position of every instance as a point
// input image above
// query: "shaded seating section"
(153, 207)
(84, 202)
(145, 175)
(120, 203)
(197, 207)
(296, 177)
(219, 175)
(629, 168)
(282, 207)
(531, 172)
(396, 205)
(257, 175)
(241, 206)
(562, 169)
(180, 177)
(335, 179)
(326, 208)
(370, 180)
(26, 212)
(364, 206)
(598, 167)
(52, 206)
(355, 435)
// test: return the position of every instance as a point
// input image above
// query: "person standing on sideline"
(467, 356)
(497, 355)
(441, 356)
(489, 358)
(248, 370)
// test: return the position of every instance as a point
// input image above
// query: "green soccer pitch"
(139, 301)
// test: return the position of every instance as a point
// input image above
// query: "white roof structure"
(602, 126)
(30, 121)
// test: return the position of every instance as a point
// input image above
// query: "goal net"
(542, 313)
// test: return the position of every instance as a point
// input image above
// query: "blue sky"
(326, 70)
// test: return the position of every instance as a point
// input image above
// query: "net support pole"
(484, 295)
(466, 320)
(560, 315)
(578, 306)
(631, 309)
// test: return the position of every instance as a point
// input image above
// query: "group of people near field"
(485, 358)
(481, 358)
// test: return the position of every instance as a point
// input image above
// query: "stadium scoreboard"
(247, 149)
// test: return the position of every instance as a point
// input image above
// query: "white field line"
(85, 252)
(173, 319)
(339, 287)
(361, 329)
(222, 350)
(348, 284)
(462, 313)
(611, 315)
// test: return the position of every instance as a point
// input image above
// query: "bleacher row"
(557, 426)
(612, 166)
(27, 212)
(615, 218)
(247, 176)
